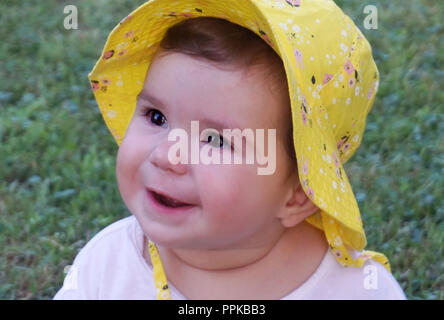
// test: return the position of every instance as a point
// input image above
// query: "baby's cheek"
(123, 174)
(128, 162)
(225, 186)
(124, 161)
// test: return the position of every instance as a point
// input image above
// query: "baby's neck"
(270, 273)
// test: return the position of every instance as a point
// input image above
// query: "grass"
(57, 160)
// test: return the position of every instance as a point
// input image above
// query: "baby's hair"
(229, 46)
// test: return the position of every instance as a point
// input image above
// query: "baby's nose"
(166, 157)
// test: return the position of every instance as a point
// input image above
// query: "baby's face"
(232, 205)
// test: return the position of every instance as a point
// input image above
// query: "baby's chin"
(176, 242)
(183, 240)
(165, 236)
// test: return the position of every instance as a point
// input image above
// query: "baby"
(212, 230)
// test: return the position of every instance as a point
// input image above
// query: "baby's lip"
(164, 194)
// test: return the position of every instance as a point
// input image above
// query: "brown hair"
(229, 45)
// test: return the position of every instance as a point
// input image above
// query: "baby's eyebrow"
(151, 99)
(209, 123)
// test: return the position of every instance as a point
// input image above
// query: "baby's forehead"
(188, 88)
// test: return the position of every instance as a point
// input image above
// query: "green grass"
(57, 160)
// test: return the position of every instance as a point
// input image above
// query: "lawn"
(57, 160)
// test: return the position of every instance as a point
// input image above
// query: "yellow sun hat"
(332, 80)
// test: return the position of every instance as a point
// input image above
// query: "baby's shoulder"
(372, 281)
(109, 239)
(94, 273)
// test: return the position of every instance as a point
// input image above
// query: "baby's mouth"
(167, 201)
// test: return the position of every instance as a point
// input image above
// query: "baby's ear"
(297, 207)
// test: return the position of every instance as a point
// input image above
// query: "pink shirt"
(111, 266)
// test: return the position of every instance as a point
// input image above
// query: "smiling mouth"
(169, 202)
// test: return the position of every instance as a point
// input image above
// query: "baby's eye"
(156, 117)
(216, 140)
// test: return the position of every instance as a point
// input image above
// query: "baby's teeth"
(172, 202)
